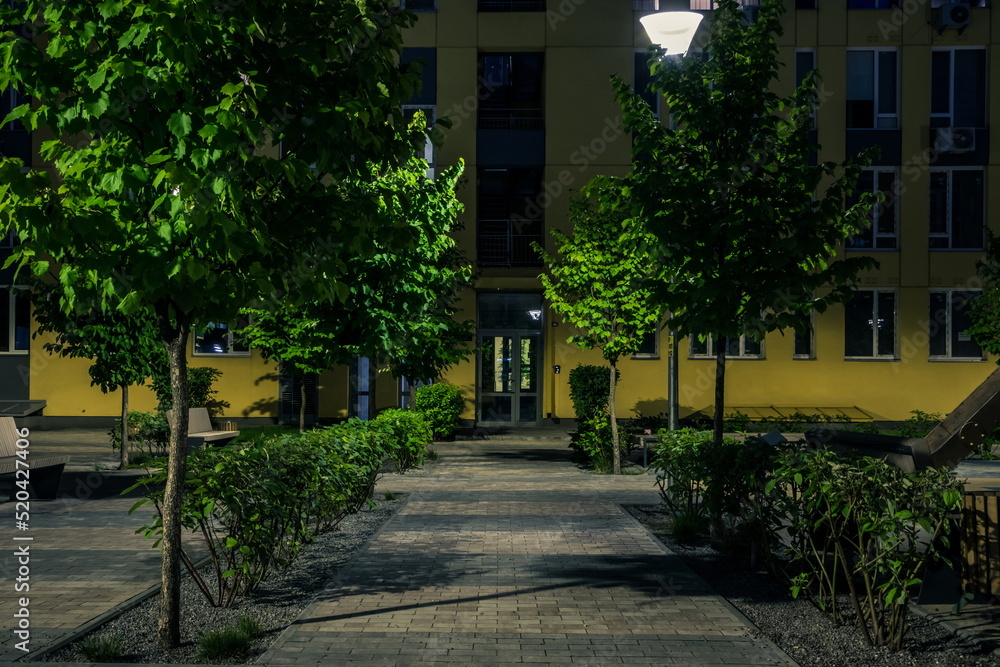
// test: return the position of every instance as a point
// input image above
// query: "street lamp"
(672, 32)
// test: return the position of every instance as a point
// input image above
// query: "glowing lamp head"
(672, 31)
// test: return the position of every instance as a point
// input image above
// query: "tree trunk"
(175, 337)
(125, 444)
(615, 448)
(302, 406)
(720, 389)
(413, 395)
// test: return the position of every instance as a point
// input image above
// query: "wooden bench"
(44, 472)
(201, 432)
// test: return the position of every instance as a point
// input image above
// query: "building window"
(870, 325)
(509, 217)
(7, 240)
(958, 88)
(805, 340)
(949, 321)
(882, 234)
(872, 92)
(512, 5)
(510, 91)
(420, 5)
(362, 381)
(957, 209)
(805, 4)
(15, 320)
(404, 390)
(218, 338)
(649, 348)
(742, 347)
(704, 5)
(645, 5)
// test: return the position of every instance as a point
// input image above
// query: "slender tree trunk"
(175, 337)
(720, 389)
(413, 395)
(125, 443)
(612, 414)
(302, 406)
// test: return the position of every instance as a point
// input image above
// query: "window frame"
(811, 355)
(875, 316)
(891, 196)
(655, 354)
(950, 116)
(948, 326)
(232, 332)
(950, 215)
(876, 114)
(10, 327)
(710, 349)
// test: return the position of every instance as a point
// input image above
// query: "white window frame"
(948, 325)
(811, 355)
(230, 352)
(877, 316)
(950, 50)
(10, 325)
(655, 354)
(950, 217)
(710, 349)
(875, 88)
(877, 210)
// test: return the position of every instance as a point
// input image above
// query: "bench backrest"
(8, 437)
(199, 421)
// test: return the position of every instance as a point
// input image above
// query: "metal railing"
(510, 249)
(511, 119)
(512, 5)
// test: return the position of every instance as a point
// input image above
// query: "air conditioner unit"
(954, 15)
(954, 139)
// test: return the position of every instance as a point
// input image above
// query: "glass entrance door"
(509, 378)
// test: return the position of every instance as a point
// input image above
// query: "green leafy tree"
(601, 286)
(744, 226)
(984, 310)
(201, 152)
(124, 350)
(402, 310)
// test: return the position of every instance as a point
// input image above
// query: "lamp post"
(672, 32)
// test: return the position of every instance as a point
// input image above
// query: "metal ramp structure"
(966, 425)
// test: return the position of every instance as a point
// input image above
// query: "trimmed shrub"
(594, 440)
(588, 389)
(411, 435)
(441, 404)
(149, 433)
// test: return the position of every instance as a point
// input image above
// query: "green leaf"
(180, 124)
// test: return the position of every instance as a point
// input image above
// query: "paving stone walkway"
(507, 553)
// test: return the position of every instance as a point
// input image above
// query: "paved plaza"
(505, 553)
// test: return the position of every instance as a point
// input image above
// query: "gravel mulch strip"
(800, 630)
(276, 605)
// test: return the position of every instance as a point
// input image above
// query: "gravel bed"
(799, 629)
(279, 601)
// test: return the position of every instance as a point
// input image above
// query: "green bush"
(257, 503)
(411, 435)
(149, 431)
(594, 440)
(441, 404)
(588, 389)
(200, 391)
(229, 645)
(841, 525)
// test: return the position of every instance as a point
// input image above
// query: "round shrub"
(410, 434)
(441, 404)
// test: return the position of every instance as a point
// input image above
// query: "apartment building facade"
(526, 86)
